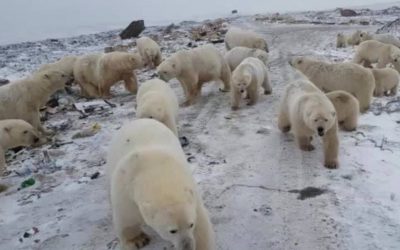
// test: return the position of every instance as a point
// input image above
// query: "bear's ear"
(7, 129)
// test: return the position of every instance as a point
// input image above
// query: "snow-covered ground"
(262, 192)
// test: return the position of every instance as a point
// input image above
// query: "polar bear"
(151, 185)
(307, 111)
(251, 76)
(341, 41)
(328, 77)
(347, 109)
(65, 64)
(156, 100)
(236, 55)
(193, 68)
(386, 82)
(96, 73)
(150, 51)
(23, 99)
(376, 52)
(15, 133)
(355, 38)
(236, 37)
(383, 38)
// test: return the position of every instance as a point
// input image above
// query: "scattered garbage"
(28, 183)
(94, 129)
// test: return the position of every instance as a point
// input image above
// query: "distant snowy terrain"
(262, 192)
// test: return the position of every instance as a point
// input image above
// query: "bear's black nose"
(241, 91)
(36, 140)
(320, 131)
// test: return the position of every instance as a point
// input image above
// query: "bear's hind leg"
(130, 82)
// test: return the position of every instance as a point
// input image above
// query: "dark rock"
(95, 176)
(26, 235)
(4, 81)
(169, 28)
(234, 11)
(364, 22)
(347, 12)
(133, 30)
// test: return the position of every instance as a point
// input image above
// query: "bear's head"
(241, 79)
(299, 63)
(56, 79)
(174, 222)
(356, 38)
(364, 36)
(260, 43)
(152, 108)
(21, 133)
(395, 56)
(168, 69)
(320, 118)
(260, 54)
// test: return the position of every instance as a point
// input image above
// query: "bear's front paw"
(141, 241)
(331, 164)
(267, 92)
(234, 108)
(308, 147)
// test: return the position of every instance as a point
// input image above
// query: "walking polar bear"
(194, 67)
(386, 82)
(150, 51)
(15, 133)
(236, 37)
(23, 98)
(250, 77)
(376, 52)
(342, 40)
(96, 73)
(236, 55)
(156, 100)
(328, 77)
(383, 38)
(307, 111)
(151, 185)
(347, 109)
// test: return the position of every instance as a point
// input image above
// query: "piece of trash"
(184, 141)
(30, 232)
(88, 132)
(27, 183)
(95, 175)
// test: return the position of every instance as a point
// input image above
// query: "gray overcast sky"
(38, 19)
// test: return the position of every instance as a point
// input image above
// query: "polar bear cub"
(236, 55)
(150, 51)
(15, 133)
(194, 67)
(307, 111)
(383, 38)
(156, 100)
(22, 99)
(236, 37)
(376, 52)
(328, 77)
(386, 82)
(347, 109)
(151, 185)
(251, 76)
(96, 73)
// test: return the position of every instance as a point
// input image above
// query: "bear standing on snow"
(307, 111)
(386, 82)
(23, 99)
(383, 38)
(156, 100)
(251, 76)
(328, 77)
(193, 68)
(236, 37)
(150, 51)
(15, 133)
(151, 185)
(236, 55)
(341, 41)
(96, 73)
(347, 109)
(376, 52)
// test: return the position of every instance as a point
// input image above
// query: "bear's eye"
(25, 132)
(315, 120)
(62, 75)
(300, 61)
(326, 120)
(191, 225)
(150, 117)
(174, 231)
(395, 60)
